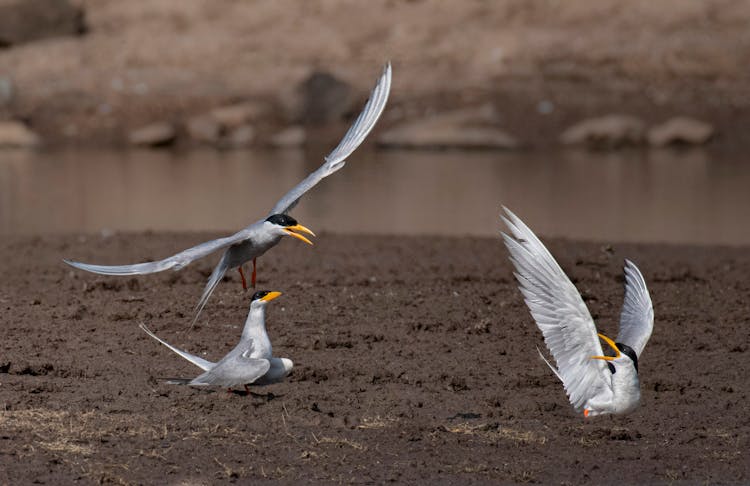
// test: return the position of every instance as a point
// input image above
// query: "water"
(654, 196)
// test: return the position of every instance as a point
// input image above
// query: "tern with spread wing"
(250, 362)
(253, 241)
(595, 384)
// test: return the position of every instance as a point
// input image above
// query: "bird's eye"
(281, 220)
(259, 294)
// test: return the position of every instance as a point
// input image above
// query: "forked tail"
(219, 271)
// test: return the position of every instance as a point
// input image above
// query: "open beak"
(290, 230)
(611, 345)
(270, 296)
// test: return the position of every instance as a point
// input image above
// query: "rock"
(27, 20)
(204, 129)
(154, 135)
(15, 134)
(321, 98)
(680, 130)
(606, 132)
(233, 116)
(294, 136)
(467, 128)
(240, 137)
(6, 91)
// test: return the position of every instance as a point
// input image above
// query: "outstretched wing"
(236, 368)
(559, 312)
(196, 360)
(176, 262)
(637, 318)
(353, 138)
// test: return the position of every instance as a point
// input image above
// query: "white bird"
(250, 362)
(595, 384)
(253, 241)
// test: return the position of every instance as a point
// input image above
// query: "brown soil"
(415, 361)
(151, 60)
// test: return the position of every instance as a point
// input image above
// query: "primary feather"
(353, 138)
(637, 318)
(559, 312)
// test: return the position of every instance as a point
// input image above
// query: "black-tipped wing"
(559, 312)
(352, 139)
(637, 318)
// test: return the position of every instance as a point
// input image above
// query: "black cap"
(629, 352)
(282, 220)
(260, 294)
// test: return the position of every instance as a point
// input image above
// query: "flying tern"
(253, 241)
(595, 384)
(250, 362)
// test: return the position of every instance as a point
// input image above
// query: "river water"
(682, 196)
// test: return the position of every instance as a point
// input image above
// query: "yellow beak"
(611, 345)
(298, 227)
(270, 296)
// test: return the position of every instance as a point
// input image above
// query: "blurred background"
(601, 120)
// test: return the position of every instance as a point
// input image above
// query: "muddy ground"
(415, 360)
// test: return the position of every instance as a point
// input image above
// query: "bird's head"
(623, 354)
(285, 225)
(263, 297)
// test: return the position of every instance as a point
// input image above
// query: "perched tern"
(250, 362)
(253, 241)
(595, 384)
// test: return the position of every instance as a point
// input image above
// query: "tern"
(253, 241)
(250, 362)
(595, 384)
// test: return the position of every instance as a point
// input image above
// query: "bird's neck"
(255, 329)
(626, 388)
(264, 240)
(625, 377)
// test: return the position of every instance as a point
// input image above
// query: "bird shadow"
(247, 393)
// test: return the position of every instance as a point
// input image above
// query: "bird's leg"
(247, 390)
(253, 279)
(242, 274)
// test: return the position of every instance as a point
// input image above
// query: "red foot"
(247, 389)
(253, 279)
(242, 274)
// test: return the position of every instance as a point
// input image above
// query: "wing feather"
(196, 360)
(560, 313)
(236, 368)
(175, 262)
(352, 139)
(637, 318)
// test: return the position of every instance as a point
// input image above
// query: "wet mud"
(415, 360)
